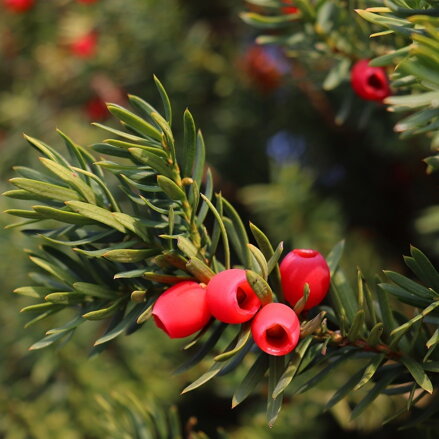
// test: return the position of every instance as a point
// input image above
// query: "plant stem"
(340, 341)
(187, 208)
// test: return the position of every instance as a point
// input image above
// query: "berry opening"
(276, 336)
(241, 296)
(375, 81)
(245, 298)
(305, 253)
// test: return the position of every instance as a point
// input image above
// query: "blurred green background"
(303, 179)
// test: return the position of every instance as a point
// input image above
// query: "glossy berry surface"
(230, 297)
(182, 309)
(18, 5)
(276, 329)
(302, 266)
(370, 83)
(85, 46)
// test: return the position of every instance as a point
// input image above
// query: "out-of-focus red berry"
(276, 329)
(85, 46)
(261, 69)
(302, 266)
(182, 309)
(18, 6)
(289, 9)
(370, 83)
(96, 109)
(230, 297)
(86, 1)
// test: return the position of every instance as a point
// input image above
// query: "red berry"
(230, 297)
(276, 329)
(85, 46)
(370, 83)
(261, 69)
(182, 309)
(18, 6)
(96, 109)
(289, 9)
(302, 266)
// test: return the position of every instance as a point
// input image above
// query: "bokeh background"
(276, 152)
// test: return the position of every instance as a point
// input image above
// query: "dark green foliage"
(116, 258)
(125, 416)
(329, 30)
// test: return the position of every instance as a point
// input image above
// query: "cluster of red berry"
(82, 47)
(187, 307)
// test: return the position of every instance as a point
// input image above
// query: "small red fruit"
(18, 6)
(289, 9)
(370, 83)
(230, 297)
(302, 266)
(182, 309)
(85, 46)
(276, 329)
(96, 110)
(262, 69)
